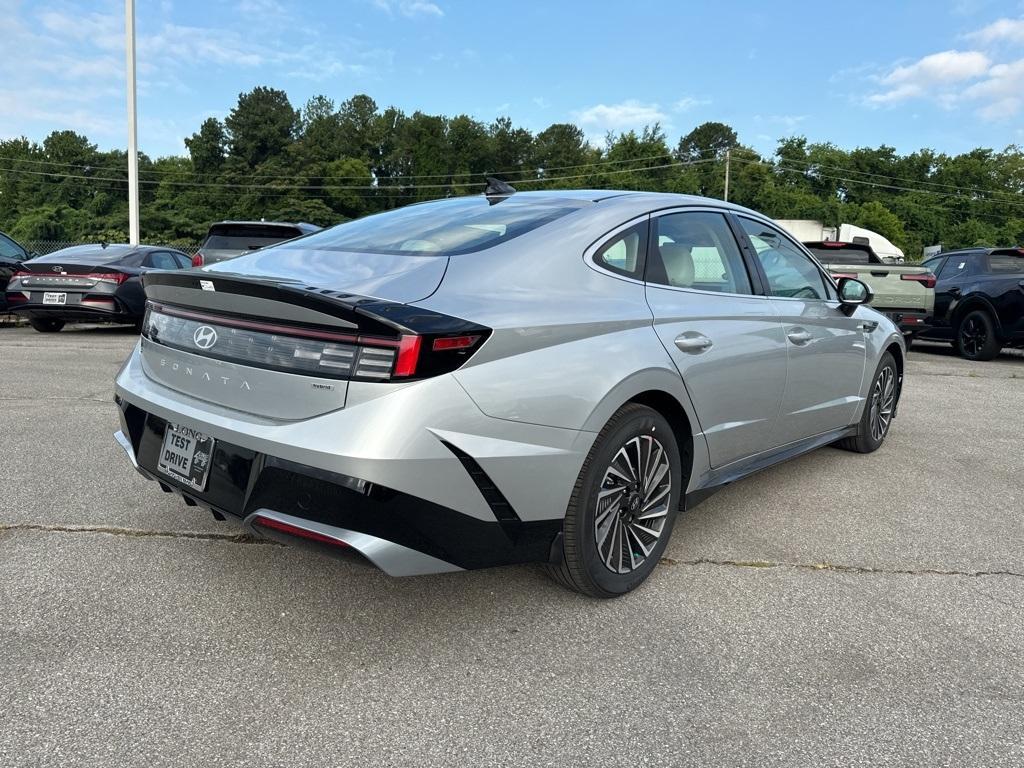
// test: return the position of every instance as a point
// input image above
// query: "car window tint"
(1005, 262)
(789, 272)
(10, 249)
(184, 262)
(841, 256)
(162, 260)
(955, 266)
(932, 264)
(622, 253)
(696, 249)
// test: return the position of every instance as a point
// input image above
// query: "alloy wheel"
(632, 504)
(973, 336)
(883, 399)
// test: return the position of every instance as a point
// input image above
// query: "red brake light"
(840, 275)
(294, 530)
(197, 260)
(108, 277)
(408, 356)
(454, 342)
(833, 244)
(927, 279)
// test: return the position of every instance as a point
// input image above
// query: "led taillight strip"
(283, 330)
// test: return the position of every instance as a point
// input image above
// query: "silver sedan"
(514, 377)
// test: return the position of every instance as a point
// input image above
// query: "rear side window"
(162, 260)
(624, 252)
(696, 250)
(246, 237)
(10, 249)
(442, 228)
(1006, 262)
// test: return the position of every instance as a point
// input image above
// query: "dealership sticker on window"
(207, 285)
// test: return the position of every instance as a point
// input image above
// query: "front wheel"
(976, 337)
(879, 409)
(623, 507)
(46, 324)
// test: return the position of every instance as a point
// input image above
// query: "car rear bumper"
(109, 310)
(909, 321)
(374, 477)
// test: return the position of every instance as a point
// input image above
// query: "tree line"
(326, 163)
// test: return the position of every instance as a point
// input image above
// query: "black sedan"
(87, 282)
(979, 300)
(12, 254)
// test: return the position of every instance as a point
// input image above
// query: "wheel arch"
(663, 391)
(896, 351)
(970, 304)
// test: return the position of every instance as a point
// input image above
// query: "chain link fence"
(44, 247)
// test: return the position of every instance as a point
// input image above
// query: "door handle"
(799, 336)
(693, 342)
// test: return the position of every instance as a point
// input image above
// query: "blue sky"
(945, 74)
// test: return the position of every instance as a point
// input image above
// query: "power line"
(379, 188)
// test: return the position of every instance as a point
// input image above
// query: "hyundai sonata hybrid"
(507, 378)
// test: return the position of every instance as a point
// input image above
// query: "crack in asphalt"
(230, 538)
(245, 538)
(838, 568)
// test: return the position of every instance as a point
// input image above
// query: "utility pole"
(133, 133)
(728, 153)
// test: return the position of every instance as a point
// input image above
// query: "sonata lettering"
(226, 381)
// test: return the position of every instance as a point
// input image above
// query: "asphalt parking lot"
(836, 610)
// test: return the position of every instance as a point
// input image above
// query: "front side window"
(789, 272)
(696, 249)
(623, 252)
(162, 260)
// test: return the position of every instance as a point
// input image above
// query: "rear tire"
(623, 506)
(46, 324)
(878, 410)
(976, 337)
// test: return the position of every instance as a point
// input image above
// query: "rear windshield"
(90, 255)
(246, 237)
(841, 256)
(442, 228)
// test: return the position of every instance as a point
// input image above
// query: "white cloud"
(624, 116)
(1001, 93)
(934, 75)
(1002, 30)
(409, 8)
(687, 103)
(789, 123)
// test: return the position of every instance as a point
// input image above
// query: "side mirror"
(853, 292)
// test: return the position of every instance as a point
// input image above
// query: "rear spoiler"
(302, 305)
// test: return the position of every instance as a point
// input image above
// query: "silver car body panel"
(570, 344)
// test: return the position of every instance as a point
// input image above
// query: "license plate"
(185, 456)
(55, 298)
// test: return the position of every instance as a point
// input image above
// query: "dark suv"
(228, 239)
(979, 300)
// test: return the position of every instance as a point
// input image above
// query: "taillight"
(840, 275)
(927, 279)
(115, 278)
(310, 351)
(197, 260)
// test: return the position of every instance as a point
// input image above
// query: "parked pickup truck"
(905, 293)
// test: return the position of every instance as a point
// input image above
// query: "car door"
(723, 334)
(826, 348)
(950, 283)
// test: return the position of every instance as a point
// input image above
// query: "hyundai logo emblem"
(204, 337)
(55, 268)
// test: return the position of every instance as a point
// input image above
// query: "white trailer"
(808, 230)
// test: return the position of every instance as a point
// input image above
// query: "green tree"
(261, 125)
(206, 147)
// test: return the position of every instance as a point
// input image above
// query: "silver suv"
(532, 377)
(228, 239)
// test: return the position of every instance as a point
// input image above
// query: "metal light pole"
(133, 133)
